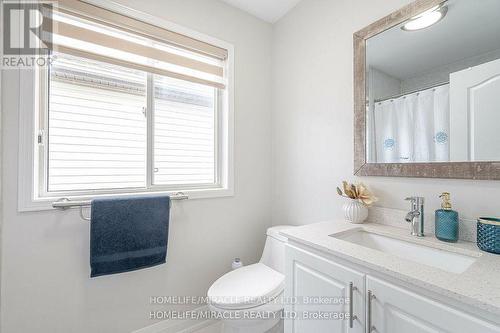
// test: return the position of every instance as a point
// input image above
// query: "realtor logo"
(22, 27)
(26, 36)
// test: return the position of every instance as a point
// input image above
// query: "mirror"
(427, 80)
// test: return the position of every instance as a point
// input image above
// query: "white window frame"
(32, 198)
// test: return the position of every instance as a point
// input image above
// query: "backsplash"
(396, 218)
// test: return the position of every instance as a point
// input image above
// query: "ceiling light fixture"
(426, 19)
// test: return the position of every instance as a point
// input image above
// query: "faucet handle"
(416, 200)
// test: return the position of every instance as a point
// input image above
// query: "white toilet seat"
(248, 287)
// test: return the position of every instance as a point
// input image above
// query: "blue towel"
(127, 234)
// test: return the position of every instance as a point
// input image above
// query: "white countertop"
(478, 286)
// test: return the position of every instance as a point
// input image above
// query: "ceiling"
(470, 28)
(267, 10)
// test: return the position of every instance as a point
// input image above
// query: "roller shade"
(84, 30)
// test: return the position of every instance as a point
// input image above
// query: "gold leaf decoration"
(358, 191)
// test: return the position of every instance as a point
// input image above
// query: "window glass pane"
(97, 126)
(184, 132)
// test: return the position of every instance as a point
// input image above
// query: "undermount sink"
(442, 259)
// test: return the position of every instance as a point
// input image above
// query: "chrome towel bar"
(65, 203)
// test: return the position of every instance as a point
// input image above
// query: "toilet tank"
(274, 250)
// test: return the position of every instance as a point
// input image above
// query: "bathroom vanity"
(385, 280)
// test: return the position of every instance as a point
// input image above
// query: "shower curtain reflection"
(412, 128)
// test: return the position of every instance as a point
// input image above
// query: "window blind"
(85, 30)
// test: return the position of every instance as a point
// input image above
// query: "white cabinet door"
(396, 310)
(475, 113)
(317, 292)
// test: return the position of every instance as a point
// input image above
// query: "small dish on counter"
(488, 234)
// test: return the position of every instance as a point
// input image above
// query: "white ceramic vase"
(355, 211)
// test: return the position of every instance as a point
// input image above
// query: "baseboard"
(179, 326)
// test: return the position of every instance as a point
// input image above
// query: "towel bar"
(65, 203)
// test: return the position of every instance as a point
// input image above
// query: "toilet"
(250, 298)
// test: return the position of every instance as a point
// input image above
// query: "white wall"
(442, 74)
(45, 273)
(381, 85)
(313, 119)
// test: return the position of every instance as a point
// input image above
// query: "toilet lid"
(246, 287)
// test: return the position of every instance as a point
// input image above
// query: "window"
(184, 133)
(128, 107)
(97, 128)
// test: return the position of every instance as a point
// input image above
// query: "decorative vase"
(355, 211)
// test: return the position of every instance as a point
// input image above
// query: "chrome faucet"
(416, 216)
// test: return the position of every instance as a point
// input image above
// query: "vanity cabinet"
(386, 307)
(393, 309)
(317, 291)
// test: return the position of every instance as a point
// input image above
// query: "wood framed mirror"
(427, 92)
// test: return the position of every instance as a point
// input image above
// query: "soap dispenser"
(446, 224)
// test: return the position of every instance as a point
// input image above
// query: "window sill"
(41, 204)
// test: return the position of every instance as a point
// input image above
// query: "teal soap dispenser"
(446, 224)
